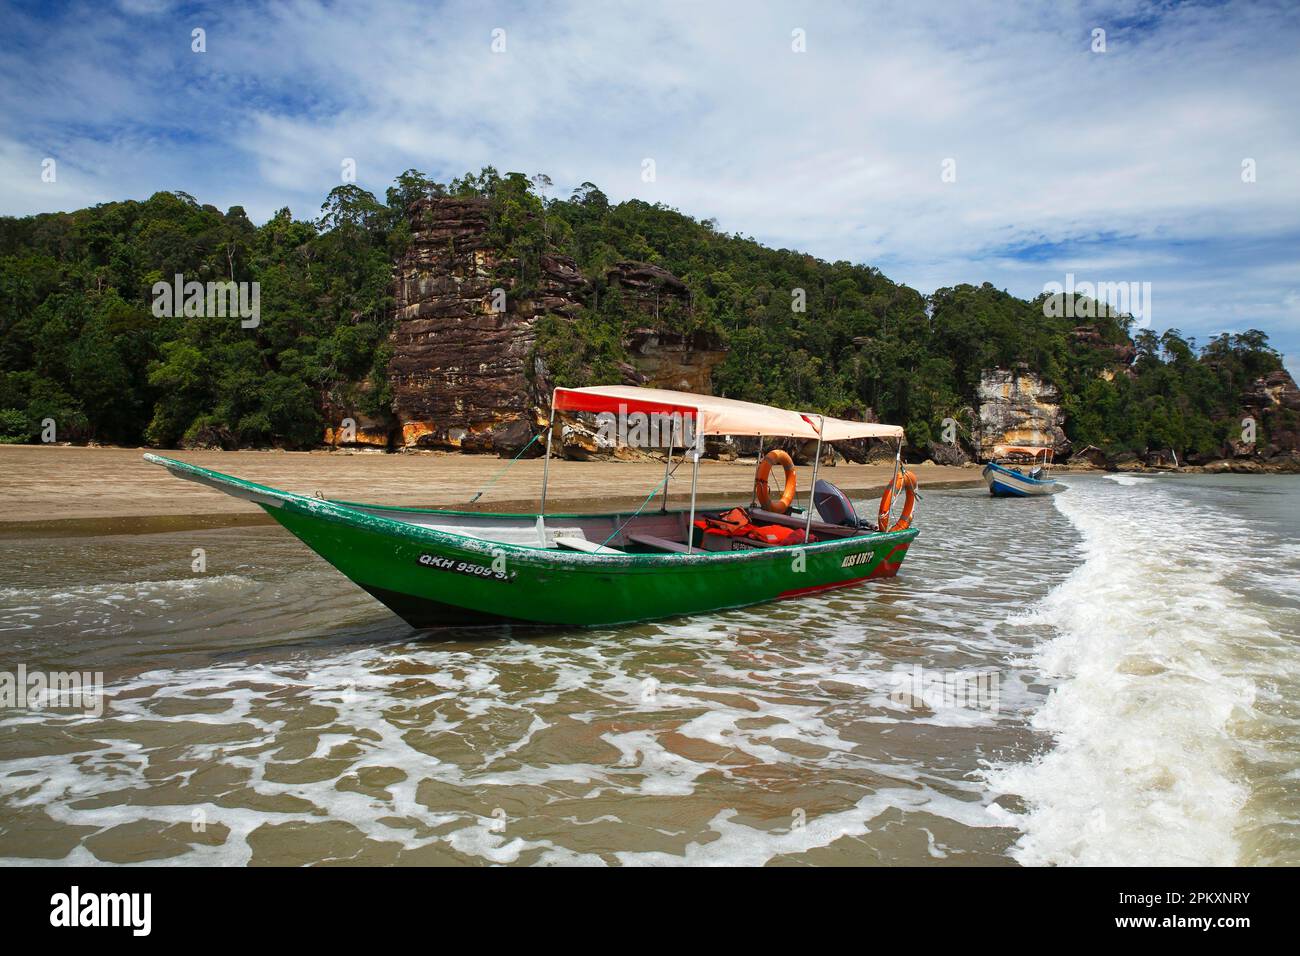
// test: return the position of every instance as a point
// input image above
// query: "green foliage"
(583, 351)
(1173, 397)
(38, 399)
(14, 427)
(79, 342)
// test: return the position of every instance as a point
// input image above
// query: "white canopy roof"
(717, 416)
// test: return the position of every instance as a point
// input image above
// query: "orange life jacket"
(736, 524)
(731, 523)
(777, 534)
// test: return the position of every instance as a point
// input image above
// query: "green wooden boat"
(438, 568)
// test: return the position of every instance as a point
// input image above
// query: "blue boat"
(1008, 481)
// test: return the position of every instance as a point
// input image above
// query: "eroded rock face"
(673, 360)
(355, 430)
(346, 426)
(462, 342)
(463, 367)
(1275, 390)
(1274, 402)
(720, 449)
(660, 304)
(1018, 409)
(942, 454)
(650, 290)
(1093, 456)
(1121, 354)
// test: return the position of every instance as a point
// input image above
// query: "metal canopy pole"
(546, 474)
(816, 461)
(695, 475)
(667, 461)
(893, 482)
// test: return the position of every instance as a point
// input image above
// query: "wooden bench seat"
(660, 544)
(582, 544)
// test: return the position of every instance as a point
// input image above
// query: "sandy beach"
(56, 486)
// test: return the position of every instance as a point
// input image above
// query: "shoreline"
(77, 489)
(63, 490)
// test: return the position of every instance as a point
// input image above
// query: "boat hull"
(1005, 483)
(431, 579)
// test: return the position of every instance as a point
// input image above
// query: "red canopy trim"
(571, 400)
(712, 415)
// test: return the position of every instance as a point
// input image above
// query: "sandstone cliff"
(1274, 402)
(464, 368)
(673, 359)
(1018, 409)
(462, 342)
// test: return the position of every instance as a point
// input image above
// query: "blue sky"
(1115, 166)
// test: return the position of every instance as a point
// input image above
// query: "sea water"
(1106, 676)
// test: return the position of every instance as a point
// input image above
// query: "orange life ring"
(903, 481)
(761, 493)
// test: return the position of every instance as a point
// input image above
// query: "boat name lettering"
(463, 567)
(853, 560)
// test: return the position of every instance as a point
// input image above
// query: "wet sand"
(113, 489)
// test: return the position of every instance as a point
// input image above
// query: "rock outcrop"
(1160, 459)
(658, 306)
(463, 343)
(1274, 402)
(352, 429)
(1119, 354)
(1092, 455)
(346, 426)
(944, 454)
(464, 367)
(673, 359)
(653, 302)
(651, 291)
(1018, 409)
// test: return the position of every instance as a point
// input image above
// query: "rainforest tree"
(80, 344)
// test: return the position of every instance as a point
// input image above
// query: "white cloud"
(836, 150)
(144, 7)
(28, 188)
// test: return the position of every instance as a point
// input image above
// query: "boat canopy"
(717, 416)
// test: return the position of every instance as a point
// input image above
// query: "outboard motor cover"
(834, 505)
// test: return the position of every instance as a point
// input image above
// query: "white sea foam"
(1157, 662)
(132, 591)
(300, 735)
(1127, 479)
(703, 740)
